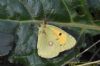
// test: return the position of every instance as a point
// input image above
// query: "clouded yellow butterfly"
(53, 40)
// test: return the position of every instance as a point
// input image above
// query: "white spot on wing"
(50, 43)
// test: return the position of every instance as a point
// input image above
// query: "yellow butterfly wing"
(53, 40)
(46, 45)
(65, 40)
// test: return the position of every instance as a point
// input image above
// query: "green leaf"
(7, 36)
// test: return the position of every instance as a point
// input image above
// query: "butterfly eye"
(60, 34)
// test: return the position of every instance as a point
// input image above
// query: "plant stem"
(77, 25)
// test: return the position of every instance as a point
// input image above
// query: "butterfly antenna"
(45, 19)
(46, 16)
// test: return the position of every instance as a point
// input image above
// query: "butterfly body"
(53, 40)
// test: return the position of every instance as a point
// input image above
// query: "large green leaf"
(19, 20)
(7, 36)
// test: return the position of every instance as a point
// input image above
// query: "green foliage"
(19, 21)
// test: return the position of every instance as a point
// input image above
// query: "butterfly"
(52, 40)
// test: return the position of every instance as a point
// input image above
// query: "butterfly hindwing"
(47, 44)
